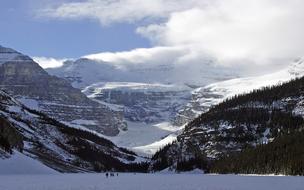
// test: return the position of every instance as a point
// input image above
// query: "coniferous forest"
(285, 155)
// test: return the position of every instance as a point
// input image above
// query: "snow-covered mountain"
(205, 97)
(266, 118)
(94, 101)
(65, 149)
(26, 81)
(18, 163)
(161, 94)
(148, 94)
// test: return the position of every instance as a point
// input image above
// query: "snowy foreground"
(148, 182)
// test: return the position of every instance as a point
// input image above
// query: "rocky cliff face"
(23, 78)
(141, 102)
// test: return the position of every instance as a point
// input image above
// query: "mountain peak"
(8, 54)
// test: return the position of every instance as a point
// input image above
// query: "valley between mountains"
(91, 115)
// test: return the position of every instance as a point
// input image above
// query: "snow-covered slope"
(18, 163)
(205, 97)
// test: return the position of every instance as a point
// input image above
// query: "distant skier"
(116, 174)
(107, 175)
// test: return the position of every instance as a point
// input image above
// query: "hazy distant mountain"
(89, 70)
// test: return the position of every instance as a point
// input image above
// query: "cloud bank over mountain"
(252, 35)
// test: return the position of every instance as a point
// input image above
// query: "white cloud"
(259, 30)
(155, 55)
(46, 62)
(257, 34)
(111, 11)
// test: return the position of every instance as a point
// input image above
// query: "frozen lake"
(149, 182)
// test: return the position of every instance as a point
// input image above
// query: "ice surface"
(150, 149)
(146, 139)
(129, 181)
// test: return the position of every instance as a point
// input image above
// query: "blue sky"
(21, 29)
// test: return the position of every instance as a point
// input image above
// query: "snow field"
(21, 164)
